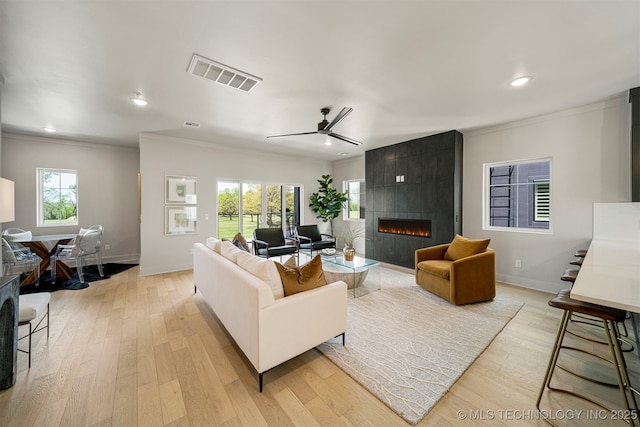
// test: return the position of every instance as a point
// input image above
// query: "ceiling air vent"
(223, 74)
(191, 125)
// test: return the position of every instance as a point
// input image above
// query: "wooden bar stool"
(609, 317)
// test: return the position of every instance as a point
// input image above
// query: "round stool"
(32, 306)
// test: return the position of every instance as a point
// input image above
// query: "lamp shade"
(7, 201)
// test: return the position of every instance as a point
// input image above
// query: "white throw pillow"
(213, 244)
(264, 269)
(230, 251)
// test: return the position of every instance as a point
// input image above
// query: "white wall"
(343, 170)
(107, 188)
(208, 162)
(590, 147)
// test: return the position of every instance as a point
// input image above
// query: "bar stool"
(580, 253)
(32, 306)
(570, 275)
(609, 317)
(578, 261)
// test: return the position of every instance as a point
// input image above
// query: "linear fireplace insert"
(409, 227)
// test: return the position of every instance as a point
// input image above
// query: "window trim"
(40, 197)
(345, 208)
(486, 170)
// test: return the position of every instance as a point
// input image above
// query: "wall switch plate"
(107, 247)
(518, 263)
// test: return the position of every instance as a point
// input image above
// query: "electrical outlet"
(518, 263)
(107, 247)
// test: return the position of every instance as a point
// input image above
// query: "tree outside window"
(354, 208)
(57, 197)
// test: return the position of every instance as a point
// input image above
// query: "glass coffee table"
(362, 275)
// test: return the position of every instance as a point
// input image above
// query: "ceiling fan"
(324, 127)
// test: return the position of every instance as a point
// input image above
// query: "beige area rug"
(407, 346)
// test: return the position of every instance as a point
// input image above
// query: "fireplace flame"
(408, 227)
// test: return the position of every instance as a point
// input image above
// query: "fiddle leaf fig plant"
(327, 202)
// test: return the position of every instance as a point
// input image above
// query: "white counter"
(610, 273)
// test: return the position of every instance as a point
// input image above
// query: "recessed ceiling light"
(342, 154)
(49, 129)
(327, 142)
(139, 100)
(520, 81)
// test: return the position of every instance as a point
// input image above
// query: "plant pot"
(349, 253)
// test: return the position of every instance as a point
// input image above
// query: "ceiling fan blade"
(292, 134)
(337, 119)
(344, 138)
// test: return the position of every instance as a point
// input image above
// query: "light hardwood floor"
(147, 351)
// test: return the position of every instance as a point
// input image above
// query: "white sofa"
(246, 294)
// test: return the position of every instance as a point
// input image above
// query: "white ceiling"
(407, 68)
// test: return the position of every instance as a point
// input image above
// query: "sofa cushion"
(461, 247)
(299, 279)
(230, 251)
(213, 244)
(437, 267)
(264, 269)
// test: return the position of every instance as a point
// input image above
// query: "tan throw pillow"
(461, 247)
(239, 241)
(303, 278)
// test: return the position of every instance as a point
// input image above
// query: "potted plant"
(348, 235)
(327, 202)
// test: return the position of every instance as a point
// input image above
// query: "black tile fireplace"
(414, 183)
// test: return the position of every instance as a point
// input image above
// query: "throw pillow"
(461, 247)
(264, 269)
(299, 279)
(240, 242)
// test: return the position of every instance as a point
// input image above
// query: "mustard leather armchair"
(461, 281)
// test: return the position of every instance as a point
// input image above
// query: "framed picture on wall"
(180, 189)
(180, 220)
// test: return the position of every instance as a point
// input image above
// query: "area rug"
(91, 274)
(408, 346)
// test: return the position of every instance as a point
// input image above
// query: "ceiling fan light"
(520, 81)
(327, 142)
(138, 100)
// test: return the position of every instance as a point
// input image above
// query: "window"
(354, 208)
(57, 197)
(261, 205)
(518, 195)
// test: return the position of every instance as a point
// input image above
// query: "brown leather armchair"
(465, 280)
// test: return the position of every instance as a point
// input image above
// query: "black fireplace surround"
(420, 179)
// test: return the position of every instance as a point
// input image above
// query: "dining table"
(45, 246)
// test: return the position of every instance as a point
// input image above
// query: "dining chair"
(13, 235)
(20, 260)
(87, 243)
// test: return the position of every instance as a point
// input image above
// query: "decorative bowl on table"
(329, 251)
